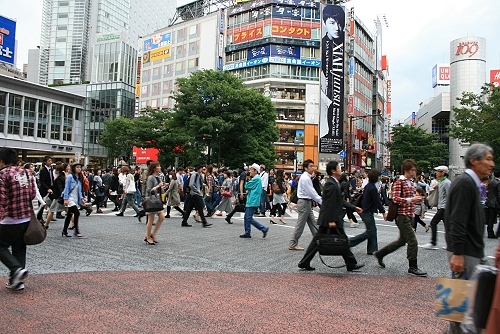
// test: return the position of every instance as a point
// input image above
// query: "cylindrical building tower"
(467, 74)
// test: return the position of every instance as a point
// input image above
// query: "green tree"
(478, 118)
(240, 121)
(117, 137)
(410, 142)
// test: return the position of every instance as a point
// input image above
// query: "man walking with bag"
(17, 191)
(464, 215)
(403, 193)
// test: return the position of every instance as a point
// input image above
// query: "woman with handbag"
(278, 201)
(173, 195)
(153, 188)
(72, 195)
(128, 194)
(227, 194)
(331, 218)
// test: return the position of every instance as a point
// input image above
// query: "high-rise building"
(71, 28)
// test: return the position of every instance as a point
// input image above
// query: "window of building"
(29, 117)
(181, 35)
(59, 63)
(165, 102)
(43, 118)
(155, 89)
(61, 40)
(179, 66)
(63, 3)
(55, 123)
(3, 102)
(14, 122)
(144, 90)
(167, 86)
(68, 123)
(62, 27)
(193, 31)
(146, 75)
(62, 15)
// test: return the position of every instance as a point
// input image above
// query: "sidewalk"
(219, 302)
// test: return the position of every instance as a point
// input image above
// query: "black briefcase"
(332, 244)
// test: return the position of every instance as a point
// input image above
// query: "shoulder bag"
(152, 203)
(332, 245)
(392, 211)
(35, 233)
(432, 199)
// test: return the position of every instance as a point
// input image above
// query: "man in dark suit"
(331, 218)
(493, 204)
(46, 179)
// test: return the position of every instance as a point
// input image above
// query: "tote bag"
(451, 300)
(35, 233)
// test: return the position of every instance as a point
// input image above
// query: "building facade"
(71, 28)
(174, 52)
(38, 121)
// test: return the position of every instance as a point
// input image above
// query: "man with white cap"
(443, 189)
(254, 187)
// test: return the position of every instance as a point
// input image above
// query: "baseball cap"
(255, 166)
(443, 169)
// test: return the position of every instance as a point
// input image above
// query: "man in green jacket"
(254, 188)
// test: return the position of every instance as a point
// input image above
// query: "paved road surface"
(208, 280)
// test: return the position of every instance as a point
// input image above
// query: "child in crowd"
(420, 210)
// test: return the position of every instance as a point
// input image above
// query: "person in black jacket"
(46, 181)
(331, 218)
(113, 190)
(58, 188)
(370, 204)
(464, 215)
(279, 202)
(493, 205)
(345, 187)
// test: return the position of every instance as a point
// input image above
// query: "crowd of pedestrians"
(257, 192)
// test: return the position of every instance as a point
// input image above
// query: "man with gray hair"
(465, 217)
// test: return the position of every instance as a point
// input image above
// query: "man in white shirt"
(306, 194)
(264, 177)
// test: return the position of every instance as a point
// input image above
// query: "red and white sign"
(495, 77)
(142, 155)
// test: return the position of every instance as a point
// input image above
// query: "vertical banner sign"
(7, 40)
(331, 130)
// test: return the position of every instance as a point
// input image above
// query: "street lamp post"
(296, 144)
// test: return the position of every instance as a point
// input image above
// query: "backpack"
(85, 185)
(276, 188)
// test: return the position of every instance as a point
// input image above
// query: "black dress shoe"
(492, 236)
(228, 220)
(207, 225)
(379, 260)
(306, 267)
(59, 216)
(186, 225)
(115, 209)
(355, 267)
(264, 234)
(245, 236)
(120, 214)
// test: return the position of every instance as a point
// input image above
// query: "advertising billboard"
(495, 77)
(7, 40)
(440, 75)
(156, 54)
(156, 41)
(287, 51)
(331, 130)
(142, 155)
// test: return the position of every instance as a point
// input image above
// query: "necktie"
(51, 177)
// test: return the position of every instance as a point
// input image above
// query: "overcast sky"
(417, 38)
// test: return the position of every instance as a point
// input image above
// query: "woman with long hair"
(154, 184)
(72, 195)
(279, 202)
(59, 184)
(173, 195)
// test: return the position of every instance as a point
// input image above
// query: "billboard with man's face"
(331, 131)
(7, 40)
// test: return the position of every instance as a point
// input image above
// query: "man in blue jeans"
(254, 187)
(17, 191)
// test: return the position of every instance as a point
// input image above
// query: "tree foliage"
(212, 109)
(410, 142)
(240, 121)
(478, 118)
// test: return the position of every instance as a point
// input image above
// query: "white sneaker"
(430, 246)
(20, 287)
(18, 277)
(354, 225)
